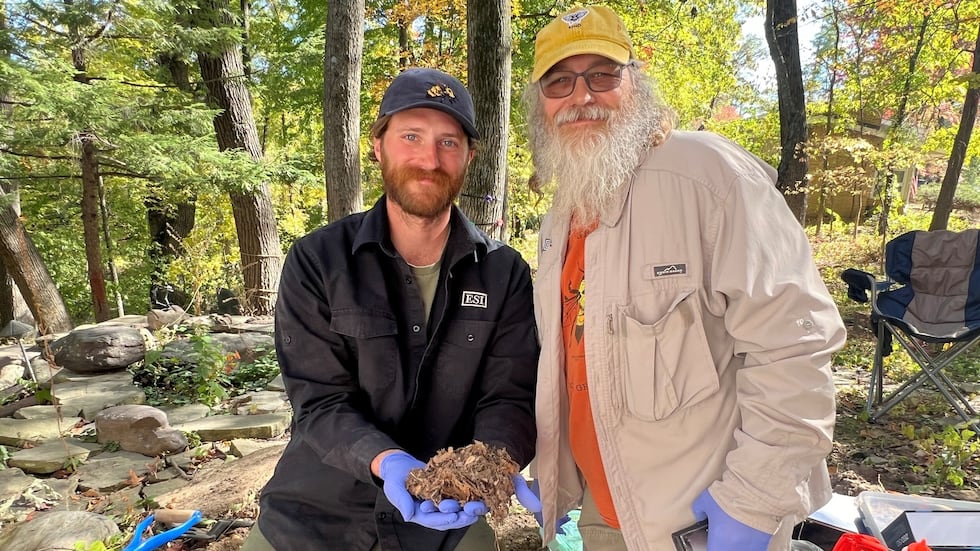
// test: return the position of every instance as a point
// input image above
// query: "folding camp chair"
(930, 304)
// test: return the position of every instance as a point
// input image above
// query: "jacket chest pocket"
(667, 364)
(372, 339)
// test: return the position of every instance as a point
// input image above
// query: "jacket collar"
(464, 237)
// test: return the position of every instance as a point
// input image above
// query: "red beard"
(422, 200)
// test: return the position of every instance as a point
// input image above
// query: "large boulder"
(101, 348)
(58, 530)
(140, 429)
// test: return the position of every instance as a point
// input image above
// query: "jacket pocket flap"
(363, 324)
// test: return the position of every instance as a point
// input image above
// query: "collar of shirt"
(464, 237)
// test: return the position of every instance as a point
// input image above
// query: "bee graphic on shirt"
(574, 309)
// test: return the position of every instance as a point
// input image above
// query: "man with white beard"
(695, 382)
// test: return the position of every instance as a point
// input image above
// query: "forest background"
(147, 142)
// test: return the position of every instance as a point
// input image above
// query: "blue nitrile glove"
(724, 532)
(535, 491)
(393, 470)
(526, 496)
(466, 515)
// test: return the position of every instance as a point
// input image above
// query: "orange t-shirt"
(585, 445)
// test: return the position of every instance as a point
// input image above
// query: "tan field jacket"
(708, 338)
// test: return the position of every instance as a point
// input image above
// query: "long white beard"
(591, 165)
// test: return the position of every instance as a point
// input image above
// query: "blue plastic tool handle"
(154, 542)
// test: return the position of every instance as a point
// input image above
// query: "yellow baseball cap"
(589, 30)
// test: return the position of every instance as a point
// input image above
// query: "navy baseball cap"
(430, 88)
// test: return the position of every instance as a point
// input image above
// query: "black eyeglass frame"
(586, 76)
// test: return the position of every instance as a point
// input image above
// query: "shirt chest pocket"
(371, 338)
(667, 363)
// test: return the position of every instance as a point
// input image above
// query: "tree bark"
(255, 223)
(489, 67)
(91, 184)
(12, 304)
(944, 203)
(784, 48)
(342, 54)
(169, 222)
(28, 271)
(90, 227)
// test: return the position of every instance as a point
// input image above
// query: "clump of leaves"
(954, 451)
(170, 381)
(254, 375)
(4, 456)
(471, 473)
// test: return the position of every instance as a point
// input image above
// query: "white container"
(879, 509)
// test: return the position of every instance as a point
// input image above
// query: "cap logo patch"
(441, 91)
(574, 19)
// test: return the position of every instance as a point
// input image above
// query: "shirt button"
(382, 516)
(408, 280)
(416, 328)
(470, 337)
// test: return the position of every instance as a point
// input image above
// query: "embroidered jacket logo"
(669, 270)
(474, 299)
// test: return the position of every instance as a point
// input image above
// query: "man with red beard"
(400, 331)
(695, 382)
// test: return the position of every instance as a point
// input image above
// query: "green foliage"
(193, 440)
(953, 452)
(111, 446)
(112, 543)
(203, 378)
(4, 456)
(254, 375)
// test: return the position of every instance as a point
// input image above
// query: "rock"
(13, 482)
(184, 414)
(111, 471)
(48, 457)
(228, 427)
(11, 373)
(87, 395)
(38, 412)
(15, 432)
(128, 500)
(240, 447)
(257, 403)
(39, 495)
(140, 429)
(58, 530)
(99, 349)
(158, 318)
(276, 384)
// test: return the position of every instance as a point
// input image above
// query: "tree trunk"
(944, 203)
(784, 48)
(488, 64)
(91, 183)
(90, 227)
(343, 50)
(255, 223)
(12, 305)
(28, 271)
(829, 124)
(169, 222)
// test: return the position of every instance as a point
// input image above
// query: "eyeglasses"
(599, 78)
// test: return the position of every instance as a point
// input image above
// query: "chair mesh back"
(941, 276)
